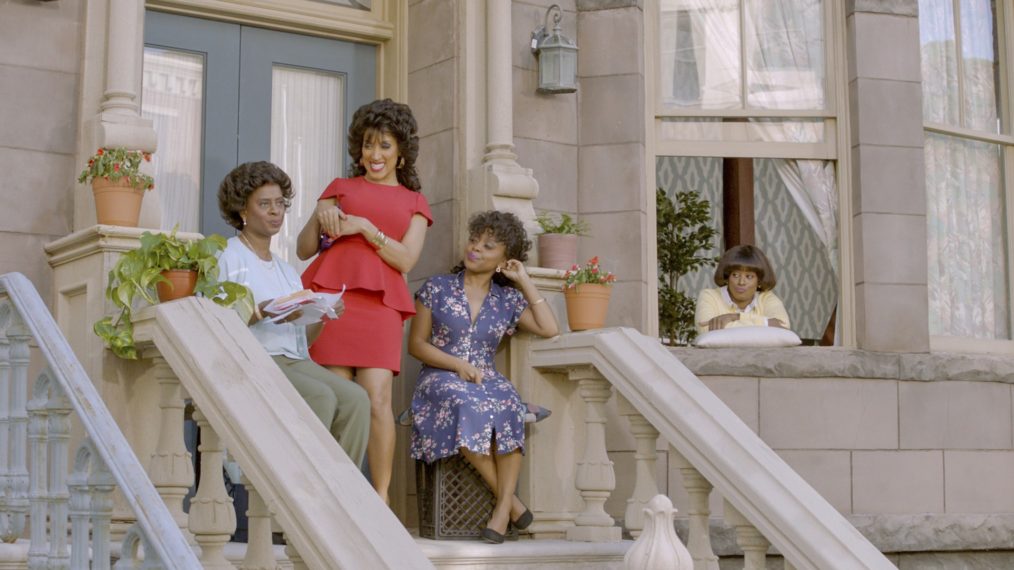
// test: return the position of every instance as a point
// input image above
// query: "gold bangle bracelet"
(541, 299)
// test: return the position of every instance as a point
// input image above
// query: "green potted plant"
(587, 290)
(558, 241)
(685, 234)
(117, 184)
(144, 273)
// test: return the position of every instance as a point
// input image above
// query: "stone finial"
(658, 546)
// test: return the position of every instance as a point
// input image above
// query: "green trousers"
(341, 404)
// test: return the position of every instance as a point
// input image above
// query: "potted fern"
(558, 241)
(163, 268)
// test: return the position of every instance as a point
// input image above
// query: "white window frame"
(1005, 29)
(836, 145)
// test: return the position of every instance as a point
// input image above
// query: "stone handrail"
(329, 512)
(104, 459)
(759, 486)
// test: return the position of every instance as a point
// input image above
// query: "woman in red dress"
(369, 230)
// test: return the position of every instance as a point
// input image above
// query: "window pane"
(307, 136)
(357, 4)
(967, 264)
(979, 51)
(700, 54)
(939, 61)
(172, 97)
(785, 54)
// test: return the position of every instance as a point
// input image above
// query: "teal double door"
(221, 94)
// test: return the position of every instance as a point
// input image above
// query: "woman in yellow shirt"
(743, 298)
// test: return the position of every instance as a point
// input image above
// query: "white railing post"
(38, 502)
(100, 485)
(645, 485)
(293, 555)
(595, 479)
(14, 391)
(170, 468)
(80, 504)
(658, 546)
(750, 540)
(212, 515)
(58, 408)
(259, 554)
(699, 513)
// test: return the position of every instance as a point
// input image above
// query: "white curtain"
(967, 264)
(307, 142)
(784, 49)
(173, 101)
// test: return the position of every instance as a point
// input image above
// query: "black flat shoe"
(491, 536)
(525, 520)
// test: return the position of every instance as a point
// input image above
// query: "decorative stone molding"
(659, 547)
(820, 362)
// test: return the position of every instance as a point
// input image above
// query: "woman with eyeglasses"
(253, 199)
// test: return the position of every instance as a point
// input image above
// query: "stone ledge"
(920, 533)
(826, 362)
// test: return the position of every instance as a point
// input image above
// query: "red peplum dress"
(377, 301)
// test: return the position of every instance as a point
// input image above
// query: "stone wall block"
(886, 112)
(892, 317)
(886, 46)
(611, 109)
(552, 164)
(888, 180)
(436, 164)
(39, 110)
(552, 118)
(897, 482)
(432, 35)
(828, 472)
(43, 36)
(431, 91)
(892, 252)
(954, 415)
(611, 176)
(817, 413)
(610, 42)
(740, 394)
(979, 481)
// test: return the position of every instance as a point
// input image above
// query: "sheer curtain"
(784, 44)
(173, 101)
(307, 142)
(967, 263)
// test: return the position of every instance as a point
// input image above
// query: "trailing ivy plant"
(563, 224)
(138, 271)
(685, 234)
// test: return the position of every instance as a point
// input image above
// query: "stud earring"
(244, 222)
(498, 269)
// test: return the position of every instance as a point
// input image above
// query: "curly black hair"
(244, 180)
(506, 229)
(396, 119)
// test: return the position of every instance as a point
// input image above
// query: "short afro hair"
(506, 229)
(244, 180)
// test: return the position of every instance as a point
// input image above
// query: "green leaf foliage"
(561, 224)
(138, 271)
(685, 233)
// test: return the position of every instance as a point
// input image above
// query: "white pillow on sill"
(748, 337)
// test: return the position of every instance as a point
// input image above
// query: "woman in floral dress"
(461, 403)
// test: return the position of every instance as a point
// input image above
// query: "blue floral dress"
(449, 412)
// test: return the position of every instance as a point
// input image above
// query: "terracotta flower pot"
(557, 251)
(117, 203)
(181, 284)
(587, 304)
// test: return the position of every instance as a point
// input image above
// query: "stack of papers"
(312, 304)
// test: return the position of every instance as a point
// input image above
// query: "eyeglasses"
(278, 204)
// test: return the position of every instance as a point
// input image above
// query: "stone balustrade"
(767, 503)
(63, 510)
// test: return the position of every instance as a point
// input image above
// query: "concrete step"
(524, 553)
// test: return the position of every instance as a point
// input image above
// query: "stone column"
(114, 49)
(888, 175)
(502, 183)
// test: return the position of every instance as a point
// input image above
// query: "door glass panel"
(173, 99)
(307, 142)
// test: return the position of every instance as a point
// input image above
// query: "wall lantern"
(557, 56)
